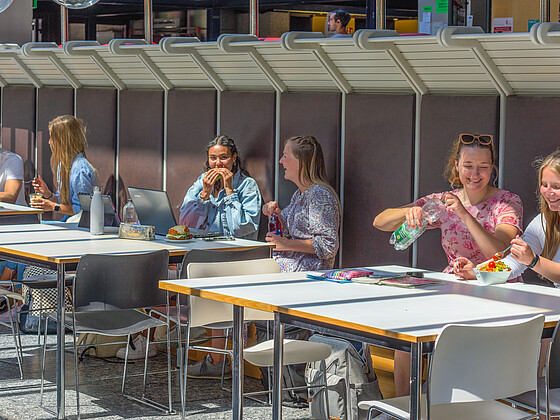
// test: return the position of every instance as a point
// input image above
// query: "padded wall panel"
(141, 140)
(52, 102)
(191, 125)
(443, 118)
(318, 115)
(18, 127)
(98, 109)
(531, 130)
(378, 170)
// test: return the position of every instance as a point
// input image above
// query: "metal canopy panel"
(385, 64)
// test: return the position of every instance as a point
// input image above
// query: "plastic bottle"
(404, 236)
(96, 213)
(129, 213)
(275, 225)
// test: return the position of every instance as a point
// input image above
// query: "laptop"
(110, 216)
(153, 208)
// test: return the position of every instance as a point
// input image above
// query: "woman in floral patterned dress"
(480, 220)
(311, 221)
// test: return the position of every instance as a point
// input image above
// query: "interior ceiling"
(113, 8)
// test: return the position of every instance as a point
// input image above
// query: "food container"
(487, 278)
(140, 232)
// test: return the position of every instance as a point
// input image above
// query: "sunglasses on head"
(483, 139)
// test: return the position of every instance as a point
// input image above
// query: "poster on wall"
(501, 25)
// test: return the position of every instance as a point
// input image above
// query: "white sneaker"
(137, 349)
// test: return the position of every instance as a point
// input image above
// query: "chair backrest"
(206, 311)
(105, 282)
(477, 363)
(554, 360)
(207, 256)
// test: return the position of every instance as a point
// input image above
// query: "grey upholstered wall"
(131, 128)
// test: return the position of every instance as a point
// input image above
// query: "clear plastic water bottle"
(129, 213)
(96, 213)
(404, 236)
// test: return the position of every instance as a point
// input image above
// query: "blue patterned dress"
(313, 214)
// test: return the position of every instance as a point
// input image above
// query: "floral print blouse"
(502, 208)
(313, 214)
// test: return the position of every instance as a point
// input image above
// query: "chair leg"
(18, 349)
(43, 361)
(146, 364)
(40, 316)
(76, 374)
(224, 363)
(125, 364)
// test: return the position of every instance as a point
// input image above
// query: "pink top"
(456, 240)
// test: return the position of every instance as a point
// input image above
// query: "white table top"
(413, 315)
(8, 209)
(64, 243)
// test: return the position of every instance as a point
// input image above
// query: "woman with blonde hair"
(538, 249)
(311, 221)
(74, 173)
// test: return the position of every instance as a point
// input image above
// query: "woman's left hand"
(227, 177)
(521, 251)
(280, 242)
(454, 204)
(41, 203)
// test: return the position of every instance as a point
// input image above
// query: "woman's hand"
(227, 177)
(271, 208)
(521, 251)
(208, 182)
(414, 216)
(41, 187)
(41, 203)
(282, 244)
(464, 268)
(454, 205)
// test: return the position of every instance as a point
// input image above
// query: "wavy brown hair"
(450, 172)
(69, 139)
(551, 218)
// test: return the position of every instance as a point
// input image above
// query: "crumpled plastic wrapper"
(133, 231)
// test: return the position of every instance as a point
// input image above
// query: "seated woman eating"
(480, 219)
(224, 198)
(311, 221)
(74, 173)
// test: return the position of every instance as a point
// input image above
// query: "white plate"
(177, 241)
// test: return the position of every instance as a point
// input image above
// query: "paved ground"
(100, 383)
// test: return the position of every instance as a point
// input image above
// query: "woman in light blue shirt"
(74, 174)
(224, 198)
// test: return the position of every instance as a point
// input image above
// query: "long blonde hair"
(307, 150)
(69, 139)
(552, 218)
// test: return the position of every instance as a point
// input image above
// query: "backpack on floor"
(348, 380)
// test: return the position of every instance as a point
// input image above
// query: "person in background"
(311, 221)
(480, 219)
(74, 173)
(224, 198)
(338, 20)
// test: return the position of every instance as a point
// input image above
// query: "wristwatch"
(534, 262)
(57, 207)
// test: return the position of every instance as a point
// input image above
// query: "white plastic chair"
(471, 367)
(13, 324)
(205, 312)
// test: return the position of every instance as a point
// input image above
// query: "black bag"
(292, 375)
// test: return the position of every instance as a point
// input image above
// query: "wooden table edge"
(165, 285)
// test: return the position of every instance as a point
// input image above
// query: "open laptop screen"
(153, 208)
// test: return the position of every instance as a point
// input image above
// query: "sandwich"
(179, 233)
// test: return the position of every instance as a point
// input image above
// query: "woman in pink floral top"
(480, 220)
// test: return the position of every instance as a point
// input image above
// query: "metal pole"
(370, 14)
(148, 22)
(254, 15)
(278, 367)
(63, 24)
(380, 15)
(237, 363)
(545, 11)
(60, 383)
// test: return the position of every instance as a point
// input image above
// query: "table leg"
(278, 364)
(237, 362)
(415, 381)
(60, 338)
